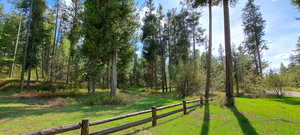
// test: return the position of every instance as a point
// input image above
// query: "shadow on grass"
(20, 107)
(244, 123)
(206, 119)
(162, 121)
(288, 100)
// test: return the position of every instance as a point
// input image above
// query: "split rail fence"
(85, 123)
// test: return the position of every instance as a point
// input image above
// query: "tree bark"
(16, 48)
(68, 70)
(54, 42)
(258, 55)
(209, 53)
(28, 76)
(28, 34)
(36, 74)
(236, 73)
(114, 74)
(229, 81)
(256, 63)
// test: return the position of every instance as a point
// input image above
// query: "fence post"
(184, 107)
(201, 100)
(85, 127)
(154, 116)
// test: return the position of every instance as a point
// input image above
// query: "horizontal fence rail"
(85, 124)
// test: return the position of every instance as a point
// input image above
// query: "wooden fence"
(85, 124)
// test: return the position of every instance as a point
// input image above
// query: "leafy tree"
(10, 30)
(108, 26)
(74, 36)
(35, 40)
(151, 44)
(254, 26)
(55, 40)
(296, 2)
(208, 3)
(296, 57)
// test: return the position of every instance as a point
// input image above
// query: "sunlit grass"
(252, 115)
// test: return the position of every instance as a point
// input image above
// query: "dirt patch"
(145, 133)
(57, 102)
(4, 121)
(46, 94)
(44, 98)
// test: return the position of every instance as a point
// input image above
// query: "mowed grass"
(270, 116)
(23, 115)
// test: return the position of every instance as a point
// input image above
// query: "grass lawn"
(251, 116)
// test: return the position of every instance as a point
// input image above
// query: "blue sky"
(282, 28)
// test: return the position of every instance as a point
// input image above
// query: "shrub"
(188, 82)
(103, 99)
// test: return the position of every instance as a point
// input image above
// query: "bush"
(188, 82)
(103, 99)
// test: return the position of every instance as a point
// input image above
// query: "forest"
(65, 60)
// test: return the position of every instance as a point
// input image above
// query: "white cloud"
(68, 2)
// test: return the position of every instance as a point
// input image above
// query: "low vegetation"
(65, 60)
(21, 113)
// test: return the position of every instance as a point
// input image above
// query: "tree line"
(96, 44)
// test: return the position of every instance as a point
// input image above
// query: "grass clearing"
(252, 116)
(268, 116)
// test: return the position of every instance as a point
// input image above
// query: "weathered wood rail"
(85, 124)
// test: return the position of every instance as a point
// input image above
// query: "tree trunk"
(93, 84)
(89, 83)
(28, 76)
(16, 48)
(28, 33)
(229, 81)
(256, 63)
(236, 73)
(258, 56)
(108, 78)
(155, 74)
(43, 63)
(36, 74)
(194, 49)
(68, 70)
(54, 42)
(209, 53)
(114, 74)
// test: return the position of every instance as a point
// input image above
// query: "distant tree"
(296, 57)
(254, 26)
(35, 28)
(296, 2)
(151, 42)
(106, 33)
(16, 46)
(35, 38)
(210, 3)
(55, 40)
(275, 81)
(74, 36)
(10, 29)
(283, 69)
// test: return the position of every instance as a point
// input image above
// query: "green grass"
(22, 115)
(251, 116)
